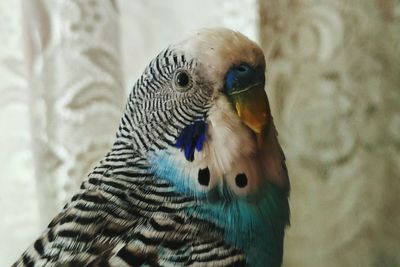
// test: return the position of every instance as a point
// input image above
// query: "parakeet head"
(201, 116)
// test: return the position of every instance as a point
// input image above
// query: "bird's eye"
(182, 80)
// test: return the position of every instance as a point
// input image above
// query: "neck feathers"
(272, 158)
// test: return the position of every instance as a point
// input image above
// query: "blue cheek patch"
(192, 137)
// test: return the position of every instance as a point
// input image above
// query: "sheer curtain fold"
(76, 91)
(17, 183)
(334, 86)
(65, 97)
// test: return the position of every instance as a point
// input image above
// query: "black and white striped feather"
(123, 214)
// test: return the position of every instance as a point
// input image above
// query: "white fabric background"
(333, 83)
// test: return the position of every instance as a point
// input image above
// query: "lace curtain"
(334, 86)
(333, 82)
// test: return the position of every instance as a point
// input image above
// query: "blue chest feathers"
(254, 223)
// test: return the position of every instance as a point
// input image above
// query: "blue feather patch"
(192, 138)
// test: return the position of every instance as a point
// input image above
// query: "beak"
(252, 107)
(248, 96)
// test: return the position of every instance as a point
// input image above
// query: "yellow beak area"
(252, 107)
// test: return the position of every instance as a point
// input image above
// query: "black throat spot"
(204, 176)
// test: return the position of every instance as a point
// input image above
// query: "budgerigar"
(195, 177)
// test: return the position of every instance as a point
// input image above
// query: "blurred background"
(333, 74)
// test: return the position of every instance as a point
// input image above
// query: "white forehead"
(216, 50)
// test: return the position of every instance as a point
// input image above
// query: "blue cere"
(242, 76)
(230, 78)
(192, 138)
